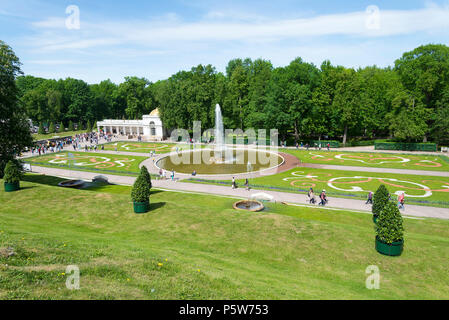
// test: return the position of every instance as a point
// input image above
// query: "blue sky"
(155, 39)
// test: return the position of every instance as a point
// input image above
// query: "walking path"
(381, 170)
(348, 204)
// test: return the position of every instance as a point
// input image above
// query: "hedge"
(384, 145)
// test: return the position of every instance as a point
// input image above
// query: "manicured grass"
(377, 160)
(85, 161)
(196, 247)
(37, 136)
(352, 184)
(146, 147)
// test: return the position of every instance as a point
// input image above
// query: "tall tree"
(15, 134)
(424, 73)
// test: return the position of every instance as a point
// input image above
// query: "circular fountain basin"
(249, 205)
(71, 183)
(212, 162)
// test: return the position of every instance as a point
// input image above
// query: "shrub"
(70, 126)
(12, 172)
(141, 187)
(52, 129)
(380, 199)
(389, 226)
(88, 126)
(147, 176)
(61, 127)
(41, 129)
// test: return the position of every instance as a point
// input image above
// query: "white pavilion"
(150, 127)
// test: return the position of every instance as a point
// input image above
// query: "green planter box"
(375, 218)
(9, 187)
(394, 249)
(141, 207)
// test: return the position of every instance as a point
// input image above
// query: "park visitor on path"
(311, 196)
(401, 200)
(323, 198)
(370, 198)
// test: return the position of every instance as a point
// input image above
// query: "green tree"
(424, 73)
(380, 199)
(61, 127)
(41, 128)
(347, 100)
(15, 134)
(389, 227)
(88, 126)
(137, 96)
(51, 128)
(71, 127)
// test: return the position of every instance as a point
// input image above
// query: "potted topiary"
(380, 199)
(140, 193)
(390, 231)
(12, 176)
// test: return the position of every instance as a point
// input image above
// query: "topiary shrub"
(70, 128)
(13, 174)
(380, 199)
(41, 129)
(146, 174)
(88, 126)
(52, 128)
(141, 187)
(389, 226)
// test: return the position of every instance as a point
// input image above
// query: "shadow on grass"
(42, 179)
(157, 205)
(27, 187)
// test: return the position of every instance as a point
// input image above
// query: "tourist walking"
(323, 198)
(311, 196)
(401, 200)
(370, 198)
(233, 183)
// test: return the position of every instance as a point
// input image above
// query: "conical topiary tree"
(141, 187)
(88, 126)
(41, 129)
(61, 127)
(380, 199)
(13, 174)
(146, 174)
(51, 129)
(389, 226)
(70, 128)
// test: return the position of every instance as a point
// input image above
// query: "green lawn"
(196, 247)
(85, 161)
(421, 190)
(377, 160)
(146, 147)
(37, 136)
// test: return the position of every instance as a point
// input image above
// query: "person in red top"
(401, 201)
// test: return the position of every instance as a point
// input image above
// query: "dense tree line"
(409, 102)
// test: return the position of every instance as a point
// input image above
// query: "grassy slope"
(305, 253)
(329, 159)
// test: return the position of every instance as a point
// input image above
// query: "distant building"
(150, 127)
